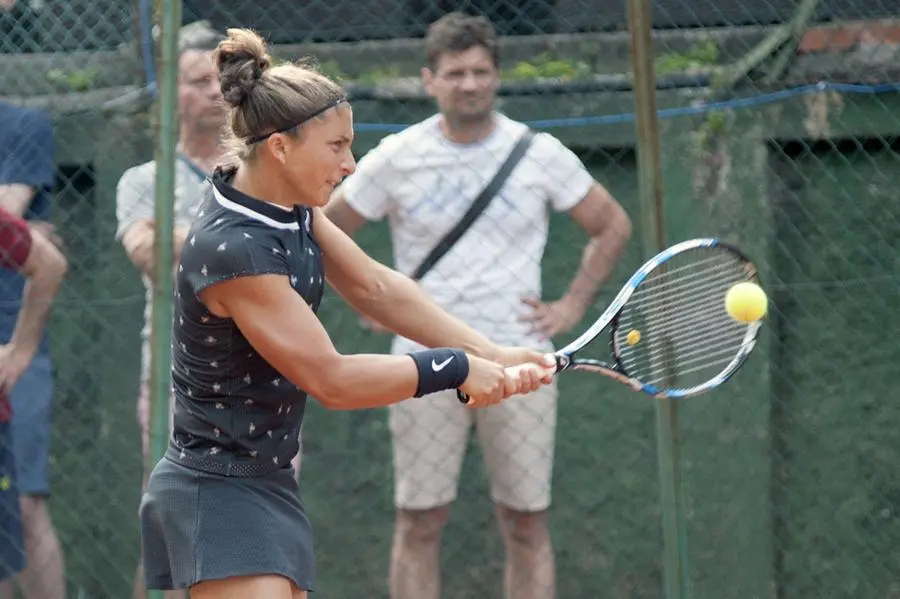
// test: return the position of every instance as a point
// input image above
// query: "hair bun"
(241, 59)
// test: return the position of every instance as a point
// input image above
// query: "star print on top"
(235, 414)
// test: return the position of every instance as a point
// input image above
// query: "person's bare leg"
(138, 590)
(267, 586)
(43, 577)
(414, 570)
(530, 565)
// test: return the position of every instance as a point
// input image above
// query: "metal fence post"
(167, 135)
(653, 220)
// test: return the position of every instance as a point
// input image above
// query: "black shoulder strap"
(195, 168)
(480, 203)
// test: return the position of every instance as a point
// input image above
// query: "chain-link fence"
(779, 131)
(75, 429)
(73, 25)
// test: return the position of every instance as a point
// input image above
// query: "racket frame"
(567, 357)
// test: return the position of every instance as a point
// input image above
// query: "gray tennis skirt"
(198, 526)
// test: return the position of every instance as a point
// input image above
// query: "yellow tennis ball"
(746, 302)
(633, 337)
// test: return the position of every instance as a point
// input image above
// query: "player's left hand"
(552, 318)
(516, 356)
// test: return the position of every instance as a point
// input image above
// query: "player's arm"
(274, 318)
(288, 335)
(609, 227)
(396, 301)
(349, 220)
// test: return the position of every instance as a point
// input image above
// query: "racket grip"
(547, 371)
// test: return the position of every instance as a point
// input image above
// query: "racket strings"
(697, 361)
(686, 336)
(698, 317)
(666, 290)
(668, 271)
(698, 320)
(714, 352)
(708, 342)
(676, 350)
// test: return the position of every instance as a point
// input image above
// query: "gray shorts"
(197, 526)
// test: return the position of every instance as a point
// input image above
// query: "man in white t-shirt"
(423, 179)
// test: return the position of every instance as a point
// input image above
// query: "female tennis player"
(222, 514)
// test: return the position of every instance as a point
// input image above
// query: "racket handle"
(546, 371)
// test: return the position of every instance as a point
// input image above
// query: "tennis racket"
(668, 332)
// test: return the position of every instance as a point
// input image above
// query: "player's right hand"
(486, 384)
(490, 383)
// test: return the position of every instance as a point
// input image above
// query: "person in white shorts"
(423, 179)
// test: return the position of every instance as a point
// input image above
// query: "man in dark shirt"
(27, 173)
(43, 266)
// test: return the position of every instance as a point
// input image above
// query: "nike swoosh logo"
(439, 367)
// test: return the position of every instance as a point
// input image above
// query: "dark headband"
(332, 104)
